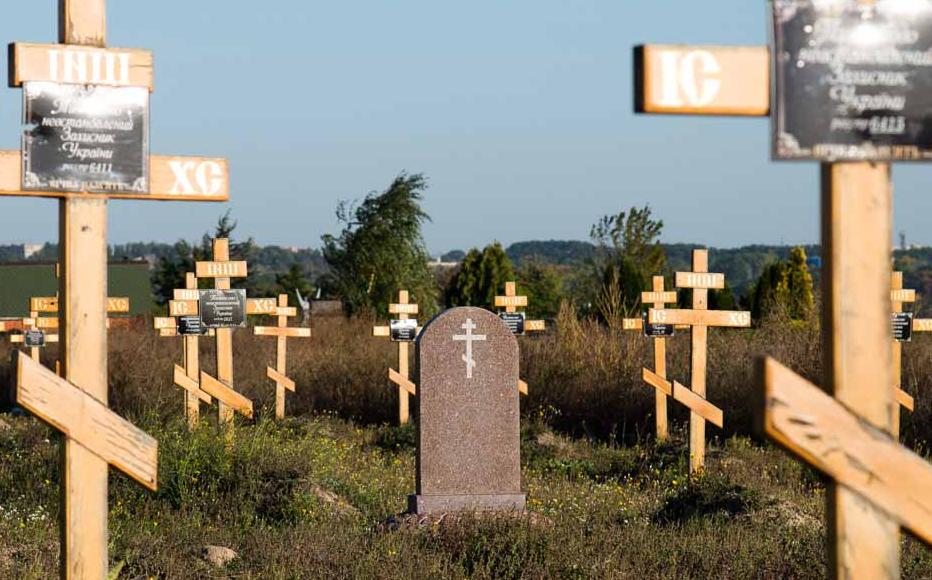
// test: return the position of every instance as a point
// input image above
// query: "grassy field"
(319, 495)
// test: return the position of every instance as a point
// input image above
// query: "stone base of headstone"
(433, 504)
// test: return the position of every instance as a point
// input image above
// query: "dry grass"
(305, 498)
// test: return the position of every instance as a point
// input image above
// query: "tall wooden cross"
(82, 59)
(700, 318)
(282, 332)
(900, 296)
(510, 302)
(856, 245)
(404, 309)
(221, 269)
(188, 376)
(659, 298)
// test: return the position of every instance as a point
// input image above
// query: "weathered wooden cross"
(511, 302)
(188, 376)
(404, 309)
(659, 298)
(699, 319)
(221, 269)
(877, 486)
(77, 403)
(282, 332)
(900, 296)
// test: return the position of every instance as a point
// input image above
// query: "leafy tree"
(291, 281)
(481, 277)
(170, 269)
(785, 285)
(627, 254)
(543, 286)
(723, 299)
(381, 249)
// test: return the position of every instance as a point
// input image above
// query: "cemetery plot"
(700, 319)
(517, 321)
(282, 332)
(399, 330)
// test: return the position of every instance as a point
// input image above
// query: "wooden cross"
(510, 302)
(900, 296)
(659, 298)
(188, 376)
(221, 269)
(282, 332)
(856, 244)
(32, 324)
(700, 319)
(82, 59)
(404, 308)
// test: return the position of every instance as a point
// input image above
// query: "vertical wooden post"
(403, 400)
(660, 367)
(224, 339)
(34, 350)
(82, 244)
(698, 345)
(192, 367)
(897, 357)
(857, 227)
(281, 360)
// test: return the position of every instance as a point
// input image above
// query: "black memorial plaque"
(853, 80)
(902, 326)
(190, 325)
(222, 308)
(86, 138)
(514, 320)
(34, 338)
(656, 330)
(404, 330)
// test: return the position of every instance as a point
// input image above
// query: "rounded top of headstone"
(455, 318)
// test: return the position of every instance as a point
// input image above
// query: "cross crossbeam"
(511, 301)
(282, 332)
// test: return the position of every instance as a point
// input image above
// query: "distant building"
(20, 281)
(30, 250)
(439, 263)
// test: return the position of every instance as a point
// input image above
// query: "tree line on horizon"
(380, 249)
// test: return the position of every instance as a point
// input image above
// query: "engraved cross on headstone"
(469, 338)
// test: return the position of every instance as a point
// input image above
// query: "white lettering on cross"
(75, 66)
(692, 79)
(207, 177)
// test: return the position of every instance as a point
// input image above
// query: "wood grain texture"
(856, 249)
(220, 269)
(291, 331)
(863, 459)
(280, 379)
(702, 80)
(226, 395)
(224, 351)
(84, 65)
(402, 381)
(82, 301)
(660, 297)
(182, 308)
(87, 421)
(181, 378)
(705, 318)
(704, 280)
(403, 309)
(658, 382)
(698, 405)
(171, 178)
(697, 366)
(381, 331)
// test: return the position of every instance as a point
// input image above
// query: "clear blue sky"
(518, 111)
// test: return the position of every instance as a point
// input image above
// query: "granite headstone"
(468, 438)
